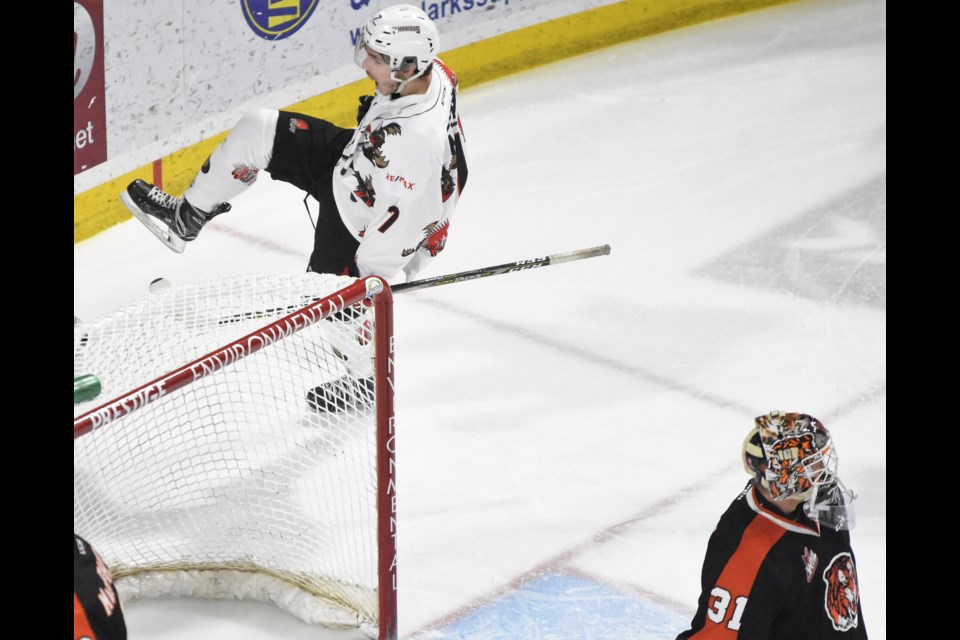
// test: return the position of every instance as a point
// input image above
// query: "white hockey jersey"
(400, 178)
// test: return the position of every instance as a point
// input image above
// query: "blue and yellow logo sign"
(277, 19)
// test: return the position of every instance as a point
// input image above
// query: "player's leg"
(305, 154)
(235, 164)
(334, 251)
(231, 169)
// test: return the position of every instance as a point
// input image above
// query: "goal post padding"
(217, 478)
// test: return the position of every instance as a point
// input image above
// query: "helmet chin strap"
(401, 83)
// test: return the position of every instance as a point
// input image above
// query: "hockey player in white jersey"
(386, 190)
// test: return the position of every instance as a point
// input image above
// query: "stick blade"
(580, 254)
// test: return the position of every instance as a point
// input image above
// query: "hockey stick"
(519, 265)
(436, 281)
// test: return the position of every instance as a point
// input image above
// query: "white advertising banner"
(177, 73)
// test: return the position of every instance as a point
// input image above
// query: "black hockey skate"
(342, 394)
(174, 220)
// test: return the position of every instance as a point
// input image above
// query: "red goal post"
(219, 477)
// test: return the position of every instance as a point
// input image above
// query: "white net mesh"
(258, 480)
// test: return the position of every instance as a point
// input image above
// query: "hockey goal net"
(247, 450)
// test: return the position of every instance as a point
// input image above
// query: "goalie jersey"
(97, 613)
(767, 576)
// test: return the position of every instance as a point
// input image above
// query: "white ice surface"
(588, 417)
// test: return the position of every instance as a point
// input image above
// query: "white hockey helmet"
(404, 33)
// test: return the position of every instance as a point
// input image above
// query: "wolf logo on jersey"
(446, 183)
(364, 190)
(375, 140)
(842, 595)
(434, 239)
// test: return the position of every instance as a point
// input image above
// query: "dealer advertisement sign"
(89, 113)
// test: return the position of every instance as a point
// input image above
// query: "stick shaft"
(519, 265)
(450, 278)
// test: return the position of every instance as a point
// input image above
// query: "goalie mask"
(406, 35)
(792, 455)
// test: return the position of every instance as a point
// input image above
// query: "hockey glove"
(351, 270)
(364, 107)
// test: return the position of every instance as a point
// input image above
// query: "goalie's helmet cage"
(790, 454)
(405, 34)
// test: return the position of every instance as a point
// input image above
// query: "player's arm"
(737, 597)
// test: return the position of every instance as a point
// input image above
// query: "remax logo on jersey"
(402, 181)
(277, 19)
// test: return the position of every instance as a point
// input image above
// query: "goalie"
(779, 564)
(97, 613)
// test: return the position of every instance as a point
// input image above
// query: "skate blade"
(156, 227)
